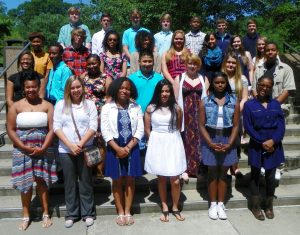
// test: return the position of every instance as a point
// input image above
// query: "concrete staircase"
(194, 194)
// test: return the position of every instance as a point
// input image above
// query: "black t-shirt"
(16, 79)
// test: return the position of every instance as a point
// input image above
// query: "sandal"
(178, 215)
(165, 216)
(120, 220)
(129, 219)
(47, 222)
(25, 224)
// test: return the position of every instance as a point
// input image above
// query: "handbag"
(91, 153)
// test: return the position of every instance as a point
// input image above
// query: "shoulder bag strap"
(76, 130)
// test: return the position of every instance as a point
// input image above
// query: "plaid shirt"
(76, 59)
(194, 42)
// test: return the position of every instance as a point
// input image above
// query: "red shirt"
(76, 59)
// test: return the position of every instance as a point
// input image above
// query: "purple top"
(263, 124)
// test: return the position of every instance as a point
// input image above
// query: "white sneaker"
(221, 212)
(213, 212)
(69, 223)
(89, 221)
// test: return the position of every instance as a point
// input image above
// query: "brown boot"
(256, 210)
(269, 208)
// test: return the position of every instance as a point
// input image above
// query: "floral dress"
(113, 65)
(95, 90)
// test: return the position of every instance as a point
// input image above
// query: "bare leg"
(44, 198)
(129, 193)
(118, 195)
(162, 190)
(26, 199)
(175, 192)
(212, 190)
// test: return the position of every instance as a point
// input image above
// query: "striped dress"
(176, 66)
(25, 167)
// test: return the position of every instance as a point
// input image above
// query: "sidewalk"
(240, 221)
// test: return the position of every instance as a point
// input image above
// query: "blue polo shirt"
(145, 87)
(163, 41)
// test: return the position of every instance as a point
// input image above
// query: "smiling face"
(231, 65)
(26, 62)
(251, 28)
(192, 68)
(261, 44)
(219, 84)
(212, 41)
(54, 54)
(76, 91)
(146, 64)
(124, 92)
(31, 89)
(165, 95)
(237, 43)
(178, 41)
(264, 88)
(112, 41)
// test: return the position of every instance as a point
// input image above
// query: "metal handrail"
(14, 60)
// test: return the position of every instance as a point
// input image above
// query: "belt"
(220, 132)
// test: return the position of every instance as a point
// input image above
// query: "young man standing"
(75, 55)
(98, 37)
(223, 38)
(250, 39)
(281, 73)
(195, 38)
(58, 75)
(128, 40)
(64, 37)
(164, 37)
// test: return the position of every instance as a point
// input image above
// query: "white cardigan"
(109, 121)
(85, 116)
(180, 96)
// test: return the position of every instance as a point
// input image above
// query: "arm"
(126, 51)
(244, 94)
(139, 133)
(9, 93)
(147, 121)
(164, 69)
(102, 68)
(176, 87)
(108, 81)
(250, 66)
(179, 117)
(134, 62)
(203, 131)
(235, 128)
(42, 88)
(11, 130)
(282, 97)
(124, 68)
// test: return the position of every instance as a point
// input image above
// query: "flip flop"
(120, 220)
(25, 224)
(129, 219)
(47, 222)
(165, 216)
(178, 216)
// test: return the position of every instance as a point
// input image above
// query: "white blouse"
(109, 121)
(85, 115)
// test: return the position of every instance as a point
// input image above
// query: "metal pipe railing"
(14, 60)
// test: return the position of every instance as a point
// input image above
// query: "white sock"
(220, 203)
(213, 203)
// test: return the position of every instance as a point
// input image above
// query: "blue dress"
(263, 124)
(130, 165)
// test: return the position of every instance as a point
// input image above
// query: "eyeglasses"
(112, 39)
(265, 86)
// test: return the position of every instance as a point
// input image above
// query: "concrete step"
(149, 202)
(148, 182)
(293, 119)
(2, 95)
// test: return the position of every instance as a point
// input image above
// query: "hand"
(268, 145)
(28, 149)
(225, 147)
(75, 149)
(37, 151)
(216, 147)
(122, 152)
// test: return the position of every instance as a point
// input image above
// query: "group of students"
(181, 103)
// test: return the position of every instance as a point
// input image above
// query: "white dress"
(165, 153)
